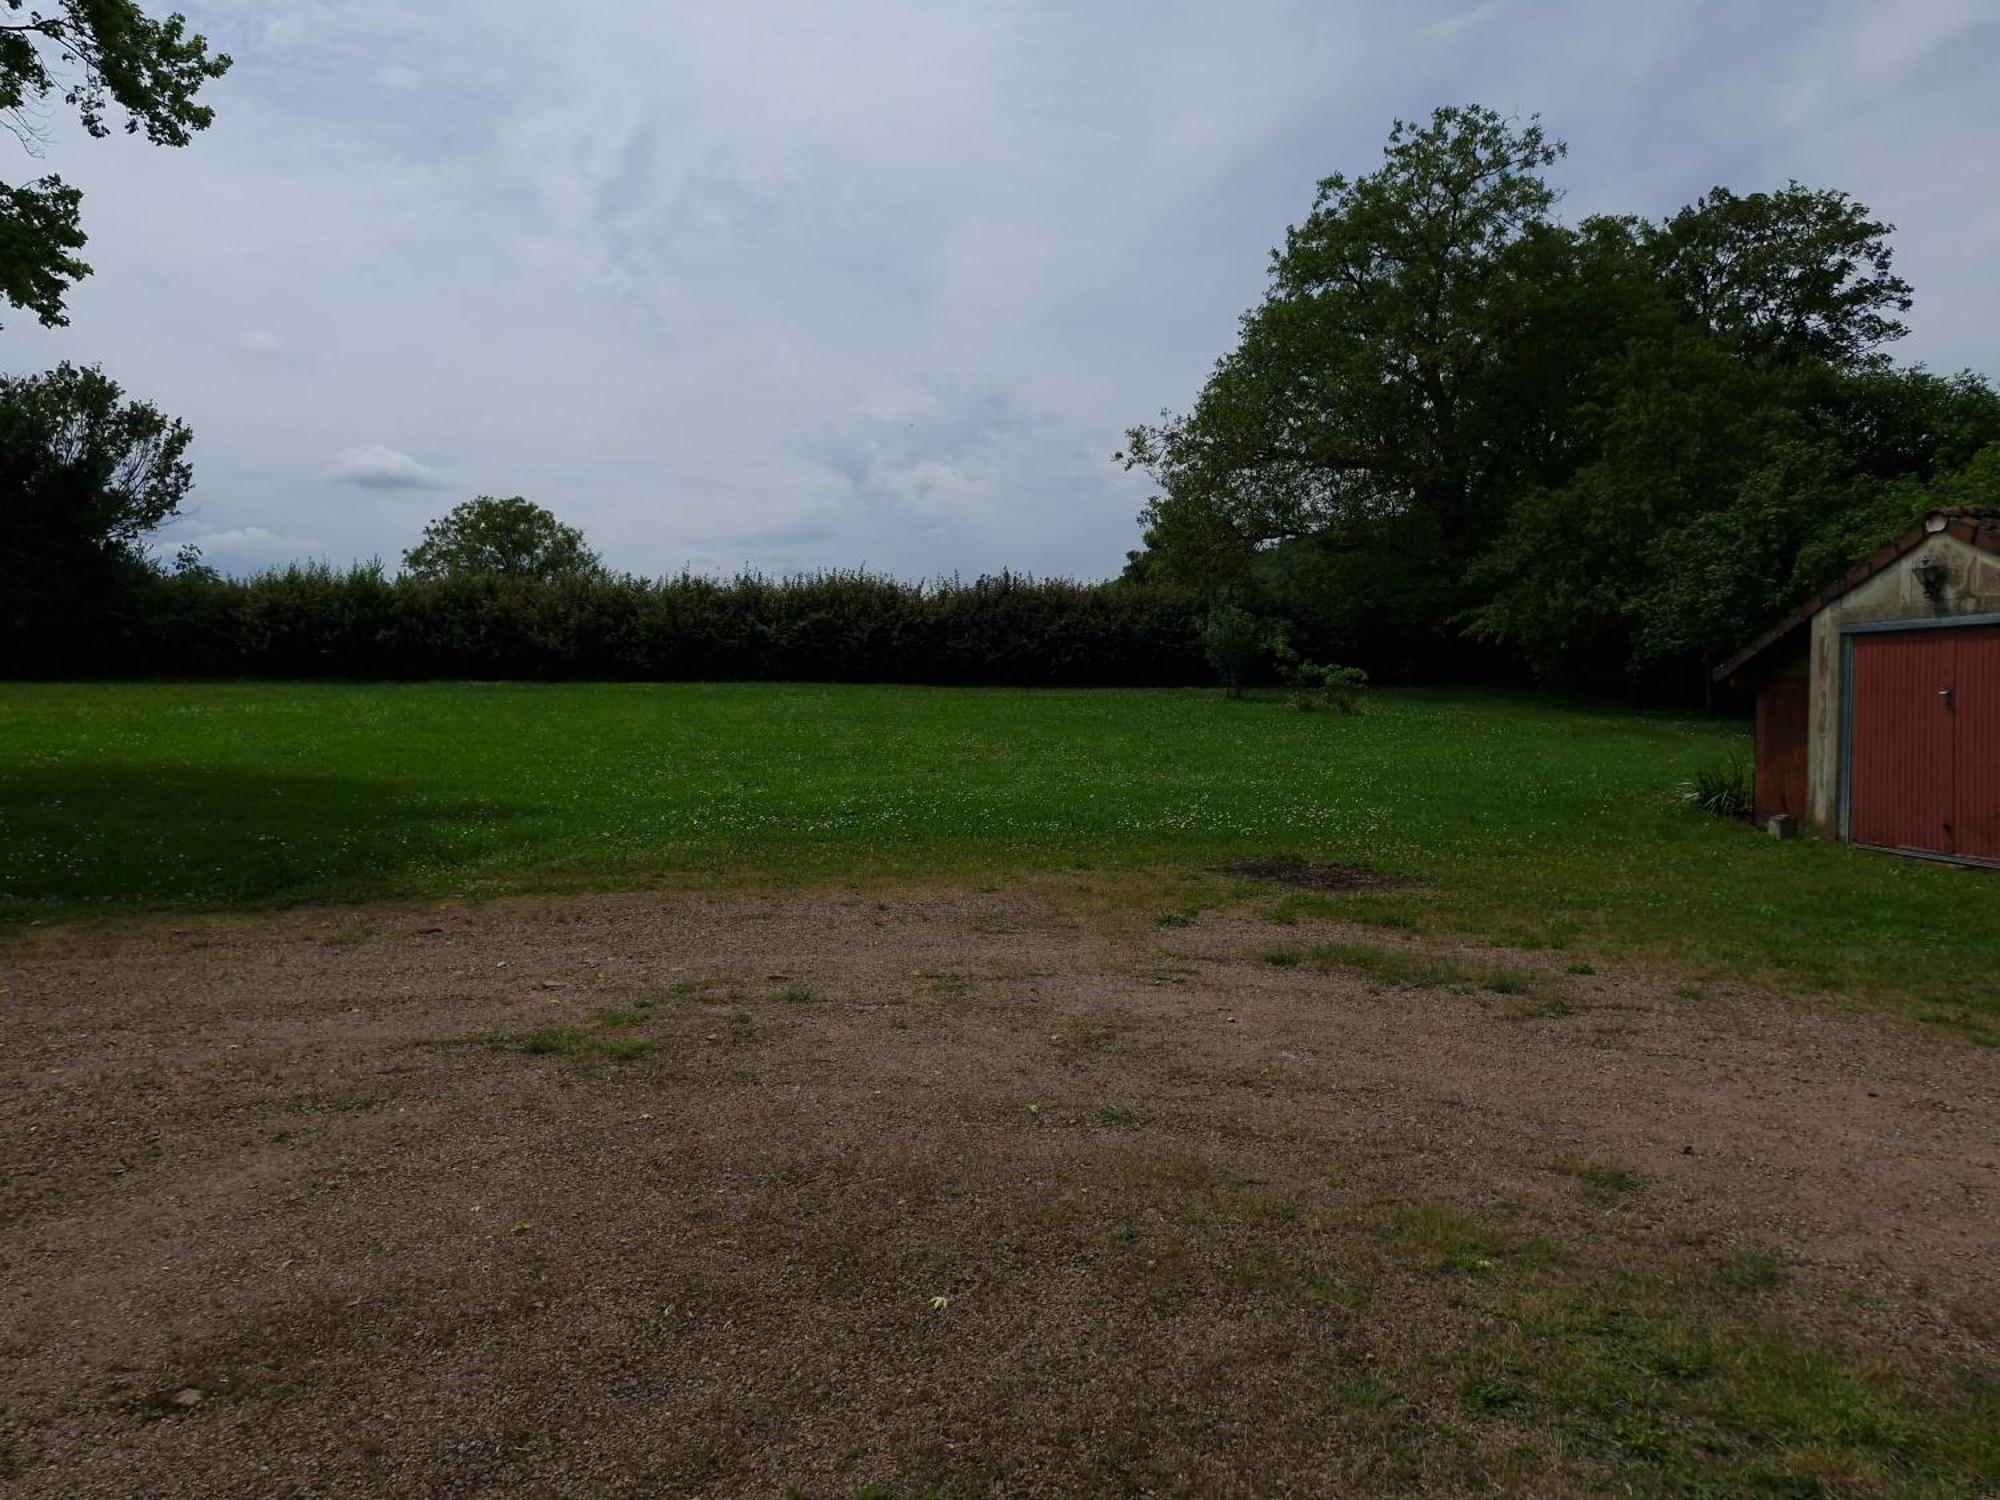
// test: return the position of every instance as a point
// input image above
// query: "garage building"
(1878, 701)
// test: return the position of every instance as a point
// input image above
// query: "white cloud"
(1445, 28)
(251, 545)
(381, 468)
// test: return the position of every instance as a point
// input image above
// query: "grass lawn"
(1536, 823)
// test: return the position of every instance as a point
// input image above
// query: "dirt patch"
(1308, 875)
(934, 1192)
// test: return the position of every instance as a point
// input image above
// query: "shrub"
(1728, 791)
(1310, 685)
(1233, 641)
(1315, 686)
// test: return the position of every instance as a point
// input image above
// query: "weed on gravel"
(606, 1039)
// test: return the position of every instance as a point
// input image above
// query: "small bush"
(1728, 791)
(1310, 685)
(1233, 641)
(1314, 686)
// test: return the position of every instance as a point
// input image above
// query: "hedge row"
(314, 622)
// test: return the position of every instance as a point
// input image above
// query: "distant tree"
(94, 56)
(1234, 641)
(512, 538)
(85, 477)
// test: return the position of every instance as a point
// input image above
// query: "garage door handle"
(1949, 700)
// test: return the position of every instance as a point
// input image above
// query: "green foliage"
(1796, 274)
(1723, 494)
(1364, 382)
(1314, 686)
(85, 476)
(41, 231)
(94, 56)
(1233, 642)
(314, 622)
(1310, 685)
(1728, 791)
(1607, 452)
(510, 538)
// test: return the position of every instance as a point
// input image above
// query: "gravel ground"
(626, 1195)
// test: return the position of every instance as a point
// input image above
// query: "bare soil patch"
(932, 1192)
(1312, 876)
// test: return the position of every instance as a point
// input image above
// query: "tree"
(512, 538)
(1598, 450)
(85, 477)
(1725, 492)
(1385, 397)
(1794, 275)
(1235, 643)
(97, 56)
(1358, 392)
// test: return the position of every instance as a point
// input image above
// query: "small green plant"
(1603, 1177)
(1752, 1271)
(1234, 642)
(1485, 1397)
(1314, 686)
(575, 1043)
(549, 1041)
(1728, 790)
(1310, 685)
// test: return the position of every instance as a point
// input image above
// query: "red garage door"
(1925, 767)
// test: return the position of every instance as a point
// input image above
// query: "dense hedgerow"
(837, 627)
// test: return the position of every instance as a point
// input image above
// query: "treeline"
(833, 627)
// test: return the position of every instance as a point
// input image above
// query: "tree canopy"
(85, 476)
(511, 538)
(100, 58)
(1601, 452)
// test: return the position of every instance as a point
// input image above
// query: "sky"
(866, 283)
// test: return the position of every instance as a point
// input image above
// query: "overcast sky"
(831, 283)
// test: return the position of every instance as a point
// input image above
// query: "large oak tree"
(1456, 421)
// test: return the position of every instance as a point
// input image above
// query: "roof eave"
(1853, 578)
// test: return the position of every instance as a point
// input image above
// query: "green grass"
(576, 1043)
(1663, 1374)
(1537, 823)
(1396, 967)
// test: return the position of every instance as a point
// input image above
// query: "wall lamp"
(1931, 575)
